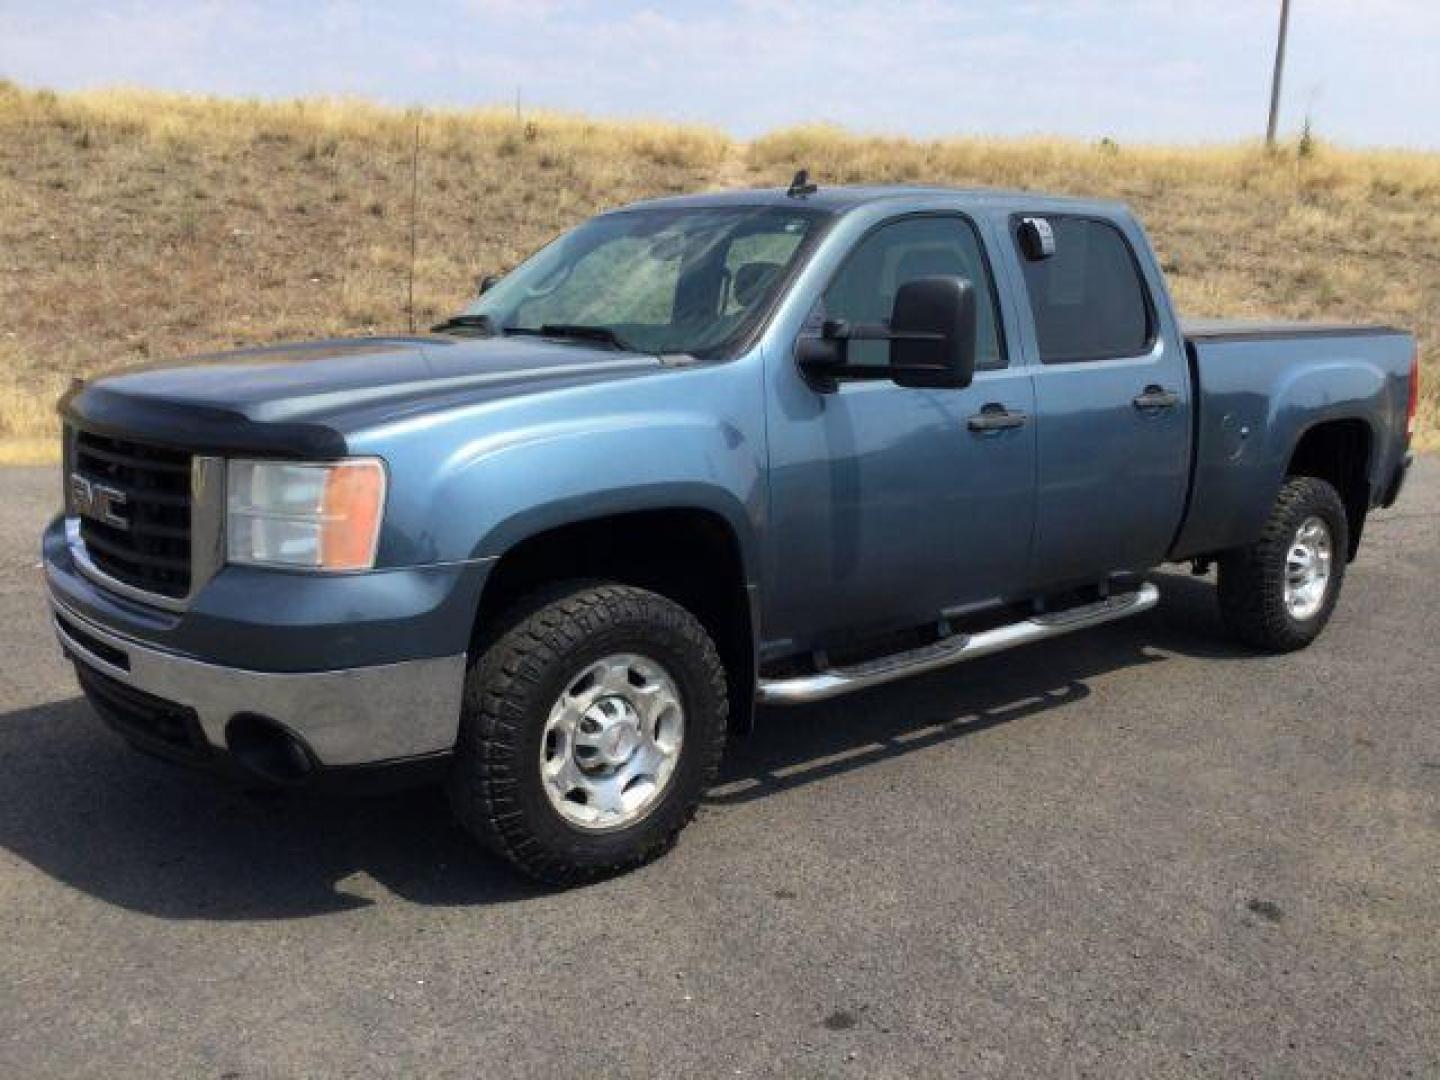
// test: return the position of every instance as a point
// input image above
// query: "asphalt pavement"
(1138, 851)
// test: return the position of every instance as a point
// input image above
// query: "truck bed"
(1258, 387)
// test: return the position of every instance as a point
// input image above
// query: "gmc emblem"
(98, 502)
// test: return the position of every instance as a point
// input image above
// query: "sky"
(1366, 72)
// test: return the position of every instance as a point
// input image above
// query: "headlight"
(324, 517)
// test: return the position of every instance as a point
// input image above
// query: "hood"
(302, 397)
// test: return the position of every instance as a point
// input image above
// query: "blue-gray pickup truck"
(697, 455)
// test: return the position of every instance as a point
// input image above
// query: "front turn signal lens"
(354, 498)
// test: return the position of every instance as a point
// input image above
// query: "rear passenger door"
(1112, 399)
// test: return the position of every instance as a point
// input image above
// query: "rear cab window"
(1088, 299)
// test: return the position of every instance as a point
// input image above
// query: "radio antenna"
(801, 186)
(414, 200)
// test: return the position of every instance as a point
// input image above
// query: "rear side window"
(1088, 298)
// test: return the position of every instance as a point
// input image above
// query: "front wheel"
(1278, 593)
(591, 728)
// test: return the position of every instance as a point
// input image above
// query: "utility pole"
(1279, 73)
(414, 207)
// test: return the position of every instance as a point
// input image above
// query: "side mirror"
(932, 333)
(486, 283)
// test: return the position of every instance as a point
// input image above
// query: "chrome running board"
(954, 650)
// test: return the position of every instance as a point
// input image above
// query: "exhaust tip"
(263, 747)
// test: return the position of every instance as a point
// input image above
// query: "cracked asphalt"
(1134, 852)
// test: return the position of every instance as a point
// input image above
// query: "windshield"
(657, 281)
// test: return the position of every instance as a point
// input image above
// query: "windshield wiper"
(483, 323)
(577, 331)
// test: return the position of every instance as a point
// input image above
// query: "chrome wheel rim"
(612, 741)
(1308, 566)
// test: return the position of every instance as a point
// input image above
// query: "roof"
(842, 198)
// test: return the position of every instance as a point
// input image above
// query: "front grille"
(143, 718)
(152, 551)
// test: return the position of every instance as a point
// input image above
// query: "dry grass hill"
(137, 225)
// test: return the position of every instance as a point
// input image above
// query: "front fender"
(668, 461)
(474, 484)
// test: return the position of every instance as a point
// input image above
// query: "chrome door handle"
(1156, 397)
(995, 417)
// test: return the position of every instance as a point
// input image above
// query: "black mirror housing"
(486, 283)
(932, 331)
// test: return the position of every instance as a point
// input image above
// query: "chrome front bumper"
(354, 716)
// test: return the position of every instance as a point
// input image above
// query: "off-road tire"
(495, 784)
(1252, 579)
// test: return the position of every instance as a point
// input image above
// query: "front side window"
(658, 281)
(863, 291)
(1088, 298)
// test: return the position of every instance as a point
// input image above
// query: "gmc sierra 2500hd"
(699, 453)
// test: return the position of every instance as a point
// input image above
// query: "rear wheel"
(1278, 593)
(591, 728)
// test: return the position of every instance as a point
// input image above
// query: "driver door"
(887, 507)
